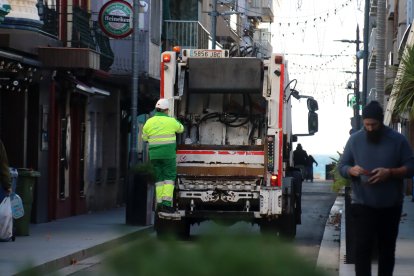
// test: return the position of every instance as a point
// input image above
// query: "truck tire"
(166, 228)
(288, 227)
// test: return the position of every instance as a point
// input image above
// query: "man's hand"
(356, 171)
(379, 175)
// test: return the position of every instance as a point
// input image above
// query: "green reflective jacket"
(159, 131)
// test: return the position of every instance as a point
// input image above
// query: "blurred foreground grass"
(217, 254)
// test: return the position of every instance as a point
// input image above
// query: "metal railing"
(186, 34)
(262, 40)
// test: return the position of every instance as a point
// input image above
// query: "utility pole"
(356, 88)
(356, 116)
(214, 15)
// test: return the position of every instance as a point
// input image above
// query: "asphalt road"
(317, 200)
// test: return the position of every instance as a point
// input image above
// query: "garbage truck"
(234, 159)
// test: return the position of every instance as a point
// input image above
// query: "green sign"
(115, 18)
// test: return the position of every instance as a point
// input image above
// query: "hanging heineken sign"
(115, 18)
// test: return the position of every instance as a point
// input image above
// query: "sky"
(305, 32)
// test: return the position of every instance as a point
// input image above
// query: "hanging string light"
(288, 21)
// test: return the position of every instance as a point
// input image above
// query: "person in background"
(160, 133)
(300, 157)
(309, 167)
(376, 159)
(5, 179)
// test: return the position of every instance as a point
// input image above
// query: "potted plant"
(404, 85)
(339, 182)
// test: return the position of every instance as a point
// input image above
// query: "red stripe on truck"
(281, 107)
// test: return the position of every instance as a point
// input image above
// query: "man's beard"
(374, 136)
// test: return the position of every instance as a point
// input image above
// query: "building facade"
(65, 87)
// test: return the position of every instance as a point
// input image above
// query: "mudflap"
(171, 228)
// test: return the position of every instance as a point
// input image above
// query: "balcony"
(262, 9)
(89, 47)
(186, 34)
(373, 8)
(372, 48)
(262, 40)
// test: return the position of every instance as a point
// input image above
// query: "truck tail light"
(273, 180)
(166, 58)
(278, 59)
(177, 49)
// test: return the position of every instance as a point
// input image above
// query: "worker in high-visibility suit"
(160, 132)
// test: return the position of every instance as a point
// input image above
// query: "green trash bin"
(25, 184)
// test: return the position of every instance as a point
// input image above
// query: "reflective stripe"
(167, 198)
(162, 142)
(162, 136)
(170, 182)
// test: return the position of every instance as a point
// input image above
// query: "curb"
(329, 252)
(75, 257)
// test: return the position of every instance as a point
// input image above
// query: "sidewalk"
(51, 246)
(333, 244)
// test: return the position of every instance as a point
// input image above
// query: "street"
(317, 200)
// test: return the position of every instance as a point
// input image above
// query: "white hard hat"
(162, 104)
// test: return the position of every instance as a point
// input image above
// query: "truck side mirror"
(312, 105)
(312, 122)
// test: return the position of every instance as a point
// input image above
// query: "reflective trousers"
(165, 174)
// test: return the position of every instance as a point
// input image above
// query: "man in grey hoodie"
(376, 159)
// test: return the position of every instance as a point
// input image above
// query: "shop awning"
(88, 89)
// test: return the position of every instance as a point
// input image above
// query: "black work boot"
(167, 209)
